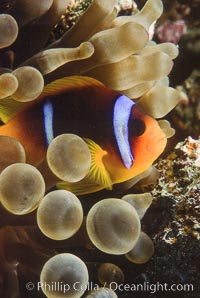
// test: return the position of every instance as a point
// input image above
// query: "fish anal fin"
(80, 188)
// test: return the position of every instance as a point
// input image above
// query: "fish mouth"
(156, 144)
(162, 139)
(161, 143)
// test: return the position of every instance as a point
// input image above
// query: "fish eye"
(136, 127)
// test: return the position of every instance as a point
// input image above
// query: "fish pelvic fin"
(8, 108)
(98, 177)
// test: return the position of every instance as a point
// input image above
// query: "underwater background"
(166, 196)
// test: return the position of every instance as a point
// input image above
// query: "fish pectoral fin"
(98, 177)
(82, 187)
(98, 172)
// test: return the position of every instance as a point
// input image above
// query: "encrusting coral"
(174, 216)
(186, 116)
(179, 181)
(115, 50)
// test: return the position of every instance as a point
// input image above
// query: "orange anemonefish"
(123, 140)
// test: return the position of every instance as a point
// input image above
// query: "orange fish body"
(123, 140)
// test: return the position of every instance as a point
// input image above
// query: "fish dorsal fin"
(98, 172)
(68, 83)
(8, 108)
(98, 177)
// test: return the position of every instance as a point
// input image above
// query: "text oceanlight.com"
(141, 287)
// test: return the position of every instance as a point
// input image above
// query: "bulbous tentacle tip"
(113, 226)
(150, 12)
(166, 128)
(66, 269)
(141, 202)
(109, 274)
(142, 251)
(152, 104)
(69, 158)
(8, 85)
(8, 30)
(67, 215)
(86, 50)
(30, 83)
(49, 60)
(21, 188)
